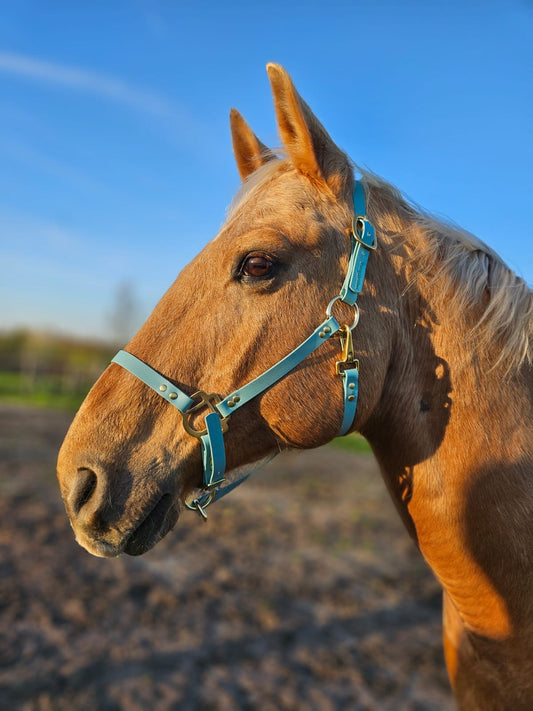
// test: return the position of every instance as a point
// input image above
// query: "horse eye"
(257, 265)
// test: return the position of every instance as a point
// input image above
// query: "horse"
(432, 364)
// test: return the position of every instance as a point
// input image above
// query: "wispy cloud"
(110, 87)
(12, 147)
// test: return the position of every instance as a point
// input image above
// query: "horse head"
(251, 296)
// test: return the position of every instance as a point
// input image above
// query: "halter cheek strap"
(211, 437)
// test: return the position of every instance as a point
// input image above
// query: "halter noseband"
(362, 241)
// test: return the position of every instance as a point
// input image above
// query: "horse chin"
(161, 519)
(99, 548)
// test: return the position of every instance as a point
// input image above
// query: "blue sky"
(115, 153)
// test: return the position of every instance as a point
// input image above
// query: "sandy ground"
(302, 591)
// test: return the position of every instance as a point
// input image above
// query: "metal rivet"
(321, 334)
(352, 386)
(172, 396)
(230, 403)
(327, 329)
(162, 388)
(351, 398)
(236, 398)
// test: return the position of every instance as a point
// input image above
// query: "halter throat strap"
(211, 437)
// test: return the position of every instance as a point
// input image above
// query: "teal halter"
(362, 241)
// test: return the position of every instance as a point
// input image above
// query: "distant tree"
(124, 315)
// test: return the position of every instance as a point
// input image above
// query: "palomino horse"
(260, 318)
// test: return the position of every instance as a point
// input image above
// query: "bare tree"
(124, 315)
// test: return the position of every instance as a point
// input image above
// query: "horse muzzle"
(104, 518)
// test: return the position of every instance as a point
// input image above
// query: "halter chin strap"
(211, 436)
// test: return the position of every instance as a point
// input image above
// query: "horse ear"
(250, 153)
(310, 148)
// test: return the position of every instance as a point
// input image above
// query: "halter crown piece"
(362, 241)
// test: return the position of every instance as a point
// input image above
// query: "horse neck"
(452, 436)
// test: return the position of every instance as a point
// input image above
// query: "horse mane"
(460, 270)
(255, 182)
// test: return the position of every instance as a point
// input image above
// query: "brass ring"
(354, 306)
(207, 401)
(195, 504)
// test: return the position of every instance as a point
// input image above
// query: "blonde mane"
(461, 270)
(255, 181)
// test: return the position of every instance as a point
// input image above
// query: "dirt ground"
(302, 591)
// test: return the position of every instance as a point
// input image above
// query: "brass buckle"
(204, 400)
(358, 228)
(347, 359)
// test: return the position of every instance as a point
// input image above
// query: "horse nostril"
(83, 489)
